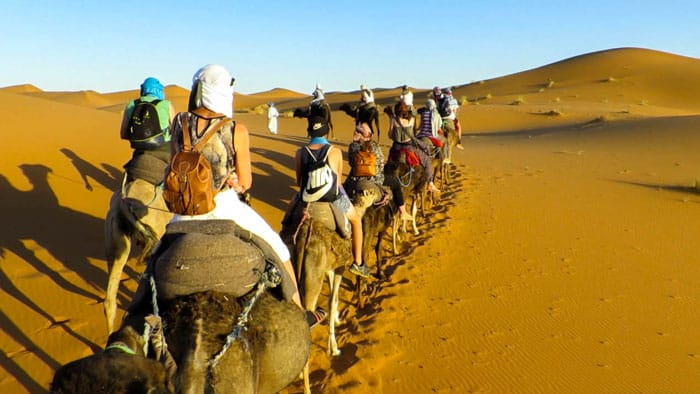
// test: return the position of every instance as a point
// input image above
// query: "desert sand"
(562, 258)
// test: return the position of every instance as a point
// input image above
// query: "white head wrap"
(216, 92)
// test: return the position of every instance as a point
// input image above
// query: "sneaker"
(360, 270)
(459, 146)
(315, 317)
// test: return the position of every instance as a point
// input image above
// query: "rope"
(122, 347)
(410, 177)
(129, 202)
(270, 278)
(305, 216)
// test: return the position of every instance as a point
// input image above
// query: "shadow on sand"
(34, 220)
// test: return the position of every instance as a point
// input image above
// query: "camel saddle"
(217, 255)
(148, 165)
(325, 213)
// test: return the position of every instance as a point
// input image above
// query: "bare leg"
(358, 267)
(356, 224)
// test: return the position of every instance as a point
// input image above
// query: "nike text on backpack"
(322, 182)
(144, 126)
(189, 183)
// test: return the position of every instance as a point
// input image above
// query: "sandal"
(316, 317)
(360, 270)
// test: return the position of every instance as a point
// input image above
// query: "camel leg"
(414, 211)
(118, 249)
(307, 382)
(394, 234)
(334, 281)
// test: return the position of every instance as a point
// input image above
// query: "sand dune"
(562, 259)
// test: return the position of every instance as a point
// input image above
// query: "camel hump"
(203, 255)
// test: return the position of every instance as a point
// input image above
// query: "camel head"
(366, 194)
(126, 340)
(389, 110)
(300, 113)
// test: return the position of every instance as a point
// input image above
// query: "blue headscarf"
(152, 87)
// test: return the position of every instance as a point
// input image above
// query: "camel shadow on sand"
(35, 221)
(682, 189)
(109, 178)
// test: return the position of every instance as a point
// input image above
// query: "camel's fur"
(266, 357)
(377, 217)
(452, 140)
(318, 251)
(114, 371)
(367, 114)
(135, 221)
(412, 181)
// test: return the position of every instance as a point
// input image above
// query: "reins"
(121, 346)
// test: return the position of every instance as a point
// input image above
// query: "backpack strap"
(326, 149)
(208, 133)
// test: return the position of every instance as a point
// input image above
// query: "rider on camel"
(362, 140)
(401, 131)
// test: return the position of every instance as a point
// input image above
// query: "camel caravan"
(226, 304)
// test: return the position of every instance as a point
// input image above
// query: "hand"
(232, 182)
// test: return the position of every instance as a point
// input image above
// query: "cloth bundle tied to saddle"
(148, 165)
(405, 155)
(217, 255)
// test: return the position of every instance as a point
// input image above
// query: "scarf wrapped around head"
(362, 133)
(152, 87)
(214, 90)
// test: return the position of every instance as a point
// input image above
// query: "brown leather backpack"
(189, 183)
(365, 162)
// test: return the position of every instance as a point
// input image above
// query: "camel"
(410, 177)
(325, 110)
(317, 249)
(378, 215)
(452, 139)
(136, 220)
(207, 341)
(264, 356)
(122, 367)
(367, 114)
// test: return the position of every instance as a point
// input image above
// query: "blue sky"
(111, 46)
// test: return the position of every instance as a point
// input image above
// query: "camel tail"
(130, 225)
